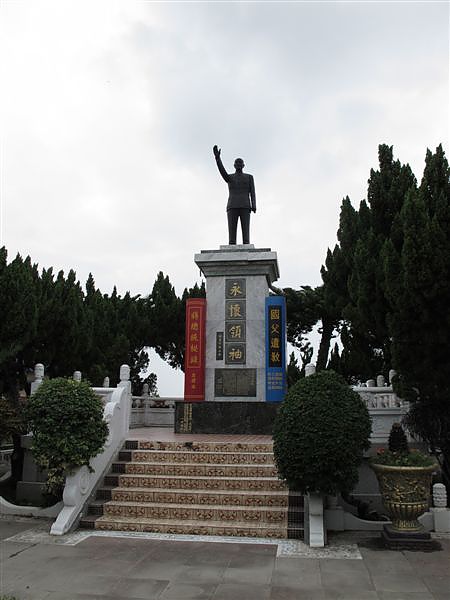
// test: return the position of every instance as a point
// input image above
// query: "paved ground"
(36, 567)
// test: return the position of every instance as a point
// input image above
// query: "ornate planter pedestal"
(405, 492)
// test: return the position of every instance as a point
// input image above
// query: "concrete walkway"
(88, 566)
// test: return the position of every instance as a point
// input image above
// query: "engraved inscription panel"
(235, 354)
(235, 331)
(219, 345)
(235, 310)
(235, 288)
(235, 382)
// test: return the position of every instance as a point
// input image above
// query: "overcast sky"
(109, 111)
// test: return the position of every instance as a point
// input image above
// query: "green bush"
(398, 442)
(320, 434)
(398, 453)
(66, 419)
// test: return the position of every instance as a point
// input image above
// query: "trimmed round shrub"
(320, 434)
(66, 419)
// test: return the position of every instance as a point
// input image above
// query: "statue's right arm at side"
(219, 163)
(252, 194)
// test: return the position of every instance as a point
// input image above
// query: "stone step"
(196, 488)
(197, 482)
(236, 529)
(192, 470)
(198, 446)
(104, 493)
(196, 512)
(186, 497)
(96, 507)
(88, 521)
(191, 457)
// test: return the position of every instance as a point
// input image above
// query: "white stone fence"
(385, 407)
(152, 411)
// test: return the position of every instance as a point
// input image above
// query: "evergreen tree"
(418, 289)
(19, 318)
(354, 286)
(293, 372)
(303, 312)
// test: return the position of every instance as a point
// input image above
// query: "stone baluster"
(39, 372)
(146, 399)
(310, 369)
(440, 511)
(124, 376)
(77, 375)
(147, 404)
(439, 495)
(106, 382)
(381, 382)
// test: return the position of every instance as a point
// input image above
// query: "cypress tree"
(418, 290)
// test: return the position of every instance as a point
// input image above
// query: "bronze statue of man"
(241, 198)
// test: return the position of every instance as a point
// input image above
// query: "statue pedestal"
(236, 341)
(237, 285)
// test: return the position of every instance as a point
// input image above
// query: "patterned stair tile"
(236, 529)
(199, 497)
(192, 470)
(202, 483)
(194, 512)
(163, 456)
(200, 446)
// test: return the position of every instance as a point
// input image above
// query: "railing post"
(39, 372)
(125, 382)
(77, 375)
(310, 369)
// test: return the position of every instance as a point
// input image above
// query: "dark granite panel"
(235, 310)
(235, 288)
(219, 345)
(234, 382)
(235, 354)
(254, 418)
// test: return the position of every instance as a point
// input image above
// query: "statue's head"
(239, 164)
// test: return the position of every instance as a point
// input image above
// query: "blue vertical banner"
(275, 348)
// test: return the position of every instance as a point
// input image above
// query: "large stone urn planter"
(405, 492)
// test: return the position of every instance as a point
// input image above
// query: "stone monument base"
(419, 541)
(232, 418)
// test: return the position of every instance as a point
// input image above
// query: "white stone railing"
(80, 484)
(152, 411)
(385, 408)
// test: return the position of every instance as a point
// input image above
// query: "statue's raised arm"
(241, 198)
(219, 163)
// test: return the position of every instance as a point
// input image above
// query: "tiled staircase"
(201, 488)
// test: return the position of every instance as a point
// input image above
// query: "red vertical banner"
(194, 359)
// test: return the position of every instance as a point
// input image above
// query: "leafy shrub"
(399, 454)
(66, 419)
(398, 441)
(414, 458)
(320, 434)
(11, 419)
